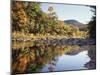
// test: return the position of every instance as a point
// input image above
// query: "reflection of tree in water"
(92, 54)
(92, 31)
(22, 59)
(52, 64)
(33, 58)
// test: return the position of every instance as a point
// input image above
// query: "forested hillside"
(30, 22)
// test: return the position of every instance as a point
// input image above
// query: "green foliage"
(34, 13)
(28, 17)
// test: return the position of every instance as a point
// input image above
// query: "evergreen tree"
(92, 23)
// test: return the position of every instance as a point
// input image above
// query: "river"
(28, 57)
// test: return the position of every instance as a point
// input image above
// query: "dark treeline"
(92, 23)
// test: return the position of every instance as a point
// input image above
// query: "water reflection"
(28, 57)
(92, 54)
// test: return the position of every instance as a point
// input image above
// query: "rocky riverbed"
(71, 41)
(63, 41)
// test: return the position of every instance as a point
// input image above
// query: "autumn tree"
(19, 17)
(28, 17)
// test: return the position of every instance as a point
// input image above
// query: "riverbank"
(52, 39)
(19, 36)
(69, 41)
(64, 41)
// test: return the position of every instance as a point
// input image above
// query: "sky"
(81, 13)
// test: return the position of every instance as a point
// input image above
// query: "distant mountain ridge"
(76, 23)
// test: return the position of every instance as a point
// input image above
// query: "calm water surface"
(31, 58)
(68, 62)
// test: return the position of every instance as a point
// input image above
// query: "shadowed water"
(28, 57)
